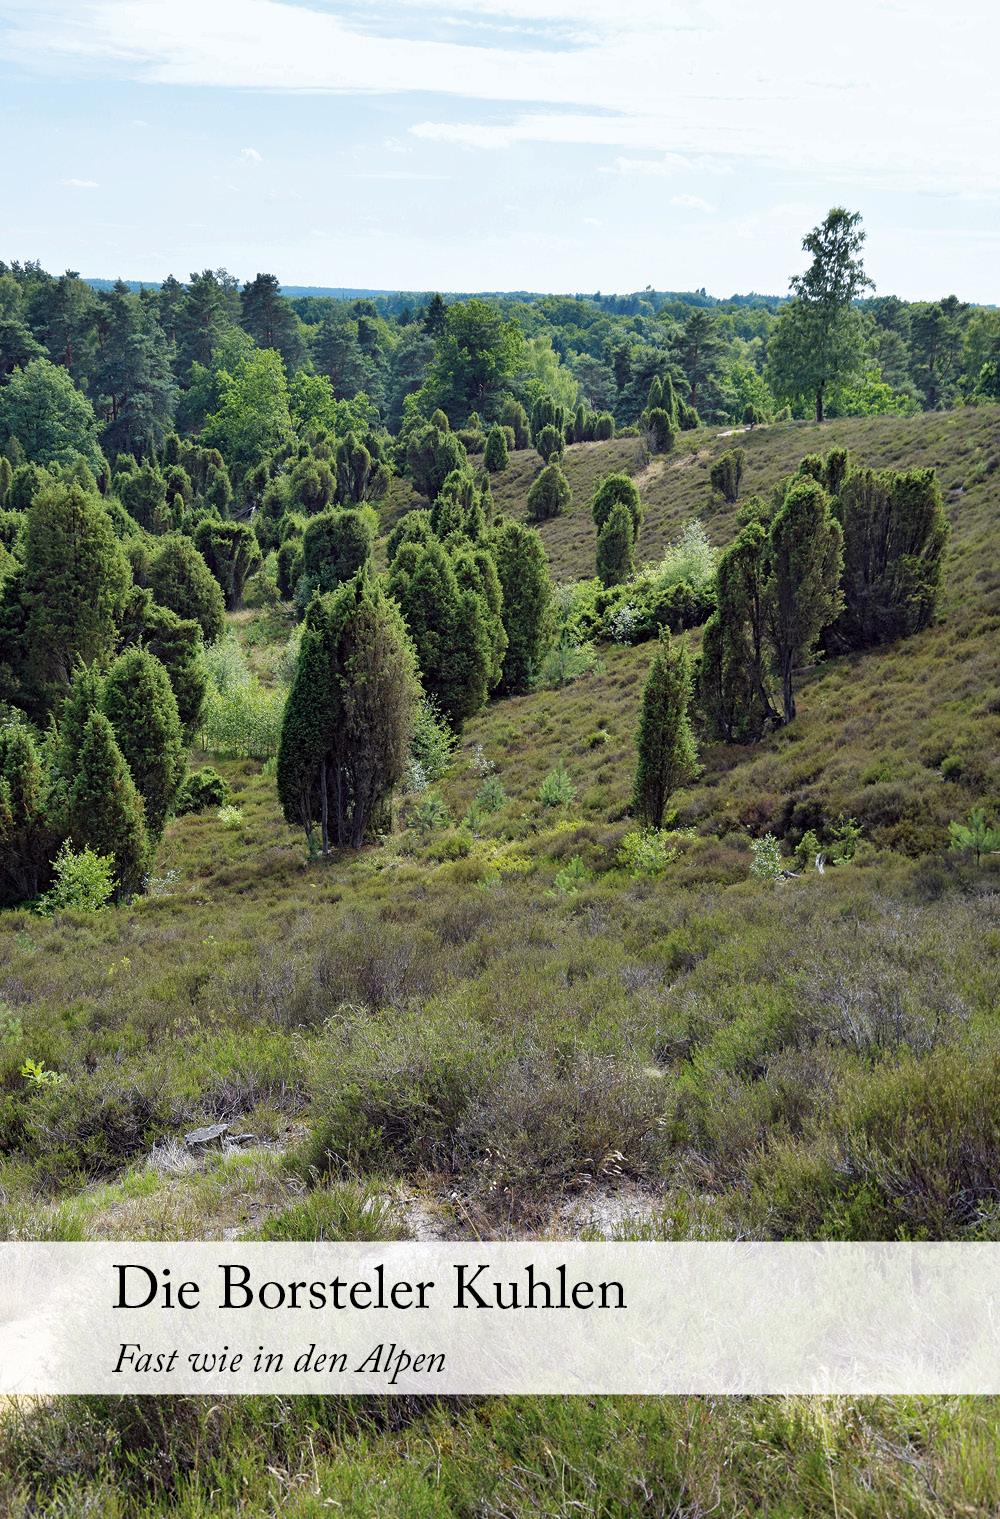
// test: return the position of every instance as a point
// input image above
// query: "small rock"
(206, 1136)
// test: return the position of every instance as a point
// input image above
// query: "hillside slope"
(494, 1022)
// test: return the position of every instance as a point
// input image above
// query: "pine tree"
(615, 489)
(132, 385)
(26, 840)
(733, 681)
(660, 430)
(140, 705)
(76, 579)
(104, 808)
(895, 532)
(667, 754)
(448, 626)
(178, 644)
(726, 474)
(232, 553)
(549, 494)
(616, 547)
(270, 320)
(806, 557)
(349, 717)
(335, 546)
(527, 590)
(496, 457)
(181, 580)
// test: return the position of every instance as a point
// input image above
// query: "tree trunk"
(324, 807)
(787, 694)
(819, 404)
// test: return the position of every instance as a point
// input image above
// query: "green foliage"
(660, 430)
(477, 354)
(335, 546)
(432, 747)
(25, 837)
(524, 580)
(200, 790)
(451, 626)
(571, 877)
(667, 756)
(348, 723)
(141, 707)
(726, 474)
(491, 796)
(104, 807)
(76, 579)
(514, 416)
(430, 814)
(646, 852)
(84, 882)
(177, 643)
(766, 863)
(616, 547)
(241, 717)
(557, 789)
(431, 455)
(231, 817)
(232, 553)
(550, 443)
(412, 527)
(976, 837)
(53, 422)
(613, 491)
(895, 533)
(495, 457)
(143, 493)
(549, 494)
(805, 558)
(181, 580)
(252, 420)
(817, 340)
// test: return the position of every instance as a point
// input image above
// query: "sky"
(558, 145)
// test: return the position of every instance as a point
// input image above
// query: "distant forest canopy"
(152, 360)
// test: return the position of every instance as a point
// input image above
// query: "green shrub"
(646, 852)
(347, 1212)
(912, 1155)
(766, 864)
(491, 796)
(557, 789)
(571, 877)
(430, 813)
(976, 837)
(231, 817)
(432, 747)
(202, 789)
(84, 882)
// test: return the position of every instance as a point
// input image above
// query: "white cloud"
(81, 184)
(251, 155)
(648, 167)
(892, 98)
(691, 203)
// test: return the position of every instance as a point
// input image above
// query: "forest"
(518, 766)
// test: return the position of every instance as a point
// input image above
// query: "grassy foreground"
(496, 1023)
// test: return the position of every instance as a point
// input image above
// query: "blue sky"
(501, 144)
